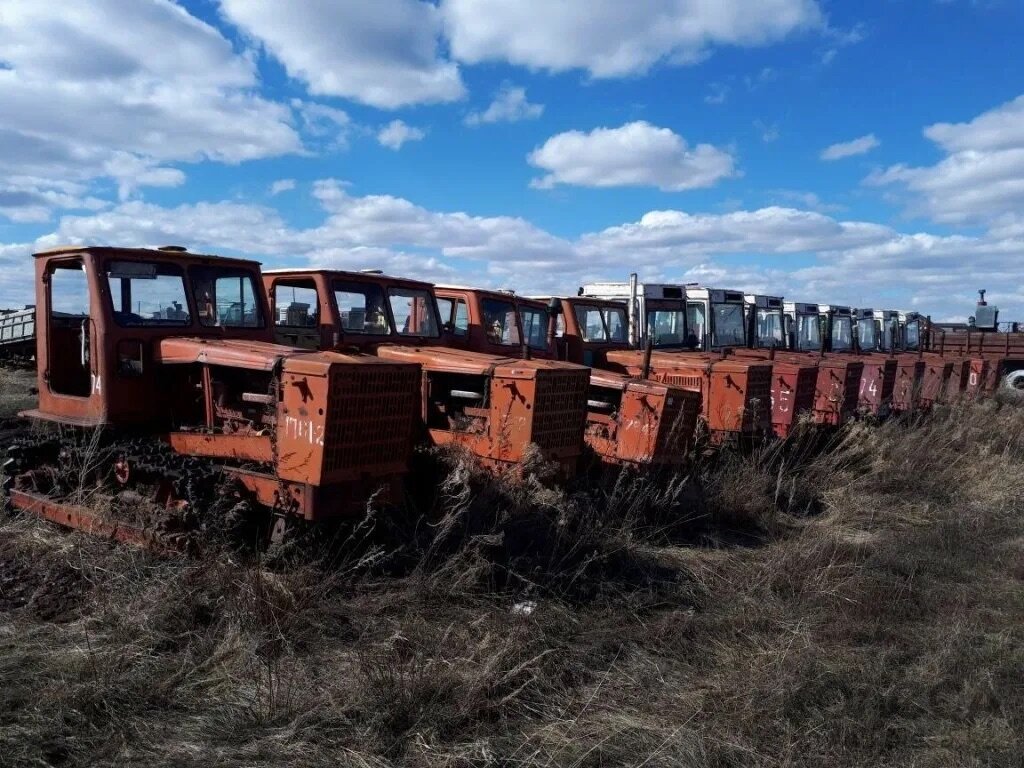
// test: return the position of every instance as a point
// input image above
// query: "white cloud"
(797, 253)
(981, 178)
(80, 102)
(859, 146)
(718, 93)
(636, 154)
(510, 105)
(769, 133)
(282, 185)
(611, 38)
(396, 133)
(384, 53)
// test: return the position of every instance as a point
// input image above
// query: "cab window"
(226, 297)
(296, 304)
(413, 312)
(454, 315)
(591, 323)
(500, 322)
(147, 293)
(535, 326)
(361, 308)
(615, 324)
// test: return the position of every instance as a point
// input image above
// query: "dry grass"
(857, 603)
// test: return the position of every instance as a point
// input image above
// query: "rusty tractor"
(163, 363)
(630, 420)
(839, 375)
(670, 342)
(499, 406)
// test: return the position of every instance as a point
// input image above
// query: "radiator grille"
(888, 379)
(370, 416)
(759, 389)
(560, 411)
(692, 383)
(854, 372)
(678, 422)
(806, 387)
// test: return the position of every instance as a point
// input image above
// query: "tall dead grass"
(854, 601)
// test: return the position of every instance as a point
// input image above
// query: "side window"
(460, 323)
(69, 296)
(444, 308)
(69, 336)
(226, 297)
(559, 326)
(296, 304)
(362, 309)
(616, 322)
(591, 323)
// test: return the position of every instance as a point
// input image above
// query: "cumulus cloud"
(981, 178)
(510, 105)
(282, 185)
(858, 146)
(610, 38)
(384, 54)
(396, 133)
(102, 105)
(637, 154)
(782, 250)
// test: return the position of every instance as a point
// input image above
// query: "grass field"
(861, 605)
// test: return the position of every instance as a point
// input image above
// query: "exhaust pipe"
(645, 371)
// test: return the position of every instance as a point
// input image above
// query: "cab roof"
(368, 277)
(166, 253)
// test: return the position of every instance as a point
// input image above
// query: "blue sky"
(866, 153)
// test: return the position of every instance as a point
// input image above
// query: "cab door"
(70, 357)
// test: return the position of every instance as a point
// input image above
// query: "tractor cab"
(766, 322)
(879, 330)
(493, 321)
(837, 324)
(102, 313)
(653, 311)
(803, 326)
(333, 309)
(716, 318)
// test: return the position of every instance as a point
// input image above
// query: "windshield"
(808, 333)
(842, 334)
(414, 312)
(667, 327)
(728, 327)
(601, 324)
(615, 322)
(867, 334)
(769, 328)
(591, 323)
(891, 337)
(361, 308)
(500, 322)
(226, 296)
(147, 293)
(535, 326)
(913, 334)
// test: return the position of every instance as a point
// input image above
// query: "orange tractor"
(496, 405)
(165, 361)
(630, 420)
(804, 378)
(668, 342)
